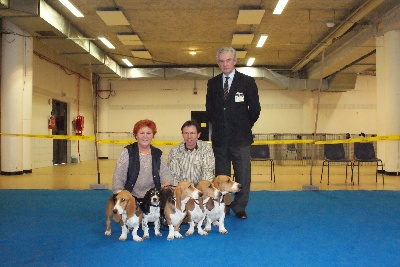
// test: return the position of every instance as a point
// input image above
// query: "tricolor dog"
(150, 206)
(175, 208)
(126, 212)
(215, 211)
(196, 210)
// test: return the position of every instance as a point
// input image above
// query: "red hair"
(145, 123)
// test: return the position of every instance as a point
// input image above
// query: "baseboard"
(103, 157)
(12, 173)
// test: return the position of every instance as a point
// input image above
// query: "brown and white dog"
(126, 212)
(196, 212)
(175, 208)
(215, 208)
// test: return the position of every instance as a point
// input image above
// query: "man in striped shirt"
(192, 160)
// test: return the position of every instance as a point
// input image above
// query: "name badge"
(239, 97)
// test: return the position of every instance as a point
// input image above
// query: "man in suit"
(233, 106)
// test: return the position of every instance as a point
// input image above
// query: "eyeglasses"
(187, 133)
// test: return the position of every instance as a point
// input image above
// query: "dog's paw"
(207, 229)
(201, 232)
(122, 238)
(137, 238)
(158, 234)
(189, 232)
(146, 236)
(223, 231)
(216, 223)
(108, 233)
(170, 237)
(177, 234)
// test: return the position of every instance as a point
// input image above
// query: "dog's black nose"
(200, 194)
(115, 211)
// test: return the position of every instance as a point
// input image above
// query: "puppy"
(150, 206)
(196, 213)
(126, 212)
(215, 208)
(175, 208)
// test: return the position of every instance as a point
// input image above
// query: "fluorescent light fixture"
(262, 40)
(192, 53)
(250, 61)
(127, 62)
(279, 7)
(71, 8)
(106, 42)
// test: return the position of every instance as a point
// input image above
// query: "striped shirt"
(192, 166)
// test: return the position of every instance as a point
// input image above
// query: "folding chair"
(335, 153)
(365, 152)
(261, 153)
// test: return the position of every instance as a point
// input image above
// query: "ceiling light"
(130, 39)
(71, 8)
(250, 61)
(240, 54)
(262, 40)
(112, 18)
(242, 38)
(279, 7)
(141, 54)
(330, 24)
(192, 53)
(106, 42)
(250, 16)
(127, 62)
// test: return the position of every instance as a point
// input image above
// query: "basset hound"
(215, 208)
(196, 210)
(124, 210)
(150, 206)
(175, 207)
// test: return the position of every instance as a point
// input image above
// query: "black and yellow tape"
(174, 142)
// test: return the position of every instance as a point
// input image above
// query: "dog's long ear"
(201, 204)
(117, 217)
(228, 199)
(190, 204)
(131, 207)
(178, 195)
(210, 204)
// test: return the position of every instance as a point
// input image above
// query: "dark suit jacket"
(232, 119)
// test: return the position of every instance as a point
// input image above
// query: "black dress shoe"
(241, 215)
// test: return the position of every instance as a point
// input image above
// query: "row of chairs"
(363, 152)
(333, 153)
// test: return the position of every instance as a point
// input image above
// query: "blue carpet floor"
(291, 228)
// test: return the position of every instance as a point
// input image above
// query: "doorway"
(59, 146)
(202, 120)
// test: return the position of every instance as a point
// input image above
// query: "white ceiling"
(169, 29)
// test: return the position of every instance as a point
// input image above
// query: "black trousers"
(239, 157)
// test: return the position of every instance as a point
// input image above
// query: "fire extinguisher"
(52, 122)
(79, 124)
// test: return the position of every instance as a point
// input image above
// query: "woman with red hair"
(141, 166)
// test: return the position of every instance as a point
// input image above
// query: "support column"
(27, 104)
(12, 86)
(389, 107)
(102, 100)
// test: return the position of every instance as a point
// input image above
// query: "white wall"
(53, 79)
(169, 104)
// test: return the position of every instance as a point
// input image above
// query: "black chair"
(261, 153)
(365, 152)
(335, 153)
(291, 151)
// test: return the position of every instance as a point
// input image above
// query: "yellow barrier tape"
(175, 143)
(65, 137)
(361, 140)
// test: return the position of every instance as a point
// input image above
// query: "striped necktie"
(226, 87)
